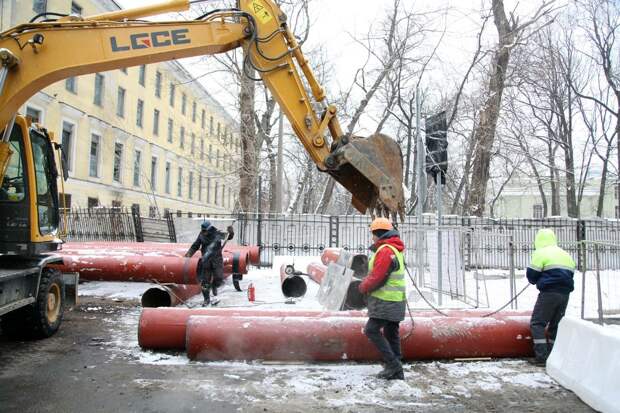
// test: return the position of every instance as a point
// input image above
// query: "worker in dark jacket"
(551, 269)
(385, 285)
(210, 271)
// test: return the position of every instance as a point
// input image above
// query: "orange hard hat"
(381, 223)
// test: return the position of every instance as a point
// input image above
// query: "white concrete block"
(586, 360)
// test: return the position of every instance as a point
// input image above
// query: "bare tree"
(511, 33)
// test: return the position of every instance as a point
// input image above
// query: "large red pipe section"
(293, 285)
(169, 295)
(165, 328)
(342, 338)
(164, 248)
(316, 272)
(165, 269)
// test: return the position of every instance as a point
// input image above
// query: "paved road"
(94, 365)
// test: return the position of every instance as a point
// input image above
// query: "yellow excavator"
(34, 55)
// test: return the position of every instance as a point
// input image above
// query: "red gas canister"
(251, 293)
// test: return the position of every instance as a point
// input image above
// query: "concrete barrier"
(586, 360)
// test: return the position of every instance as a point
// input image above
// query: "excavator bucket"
(372, 170)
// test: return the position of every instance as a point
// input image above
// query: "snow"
(341, 385)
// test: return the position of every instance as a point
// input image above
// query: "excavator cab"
(29, 213)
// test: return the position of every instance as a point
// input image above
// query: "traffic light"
(437, 146)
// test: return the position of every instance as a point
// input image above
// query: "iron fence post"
(583, 284)
(137, 223)
(598, 285)
(581, 237)
(171, 228)
(511, 257)
(334, 230)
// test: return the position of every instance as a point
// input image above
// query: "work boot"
(207, 297)
(393, 371)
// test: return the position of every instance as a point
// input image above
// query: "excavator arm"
(34, 55)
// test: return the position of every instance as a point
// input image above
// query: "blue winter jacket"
(551, 268)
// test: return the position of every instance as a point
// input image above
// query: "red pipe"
(342, 338)
(316, 272)
(154, 247)
(292, 284)
(164, 328)
(164, 269)
(169, 295)
(330, 255)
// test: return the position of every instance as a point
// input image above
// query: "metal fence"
(487, 243)
(94, 224)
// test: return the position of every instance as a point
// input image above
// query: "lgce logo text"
(152, 39)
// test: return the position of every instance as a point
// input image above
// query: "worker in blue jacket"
(551, 269)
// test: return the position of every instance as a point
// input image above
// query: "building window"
(203, 116)
(34, 114)
(211, 153)
(98, 99)
(167, 178)
(538, 211)
(215, 192)
(193, 142)
(219, 129)
(170, 130)
(158, 84)
(68, 135)
(616, 189)
(156, 122)
(617, 211)
(152, 211)
(39, 6)
(76, 8)
(217, 159)
(183, 103)
(120, 103)
(71, 84)
(118, 162)
(93, 202)
(124, 70)
(117, 205)
(135, 209)
(200, 187)
(208, 190)
(211, 125)
(95, 144)
(141, 75)
(191, 185)
(180, 183)
(172, 92)
(194, 111)
(153, 173)
(139, 113)
(202, 149)
(182, 138)
(137, 161)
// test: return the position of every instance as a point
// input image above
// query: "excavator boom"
(34, 55)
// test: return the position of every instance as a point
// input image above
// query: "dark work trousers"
(548, 311)
(387, 343)
(210, 273)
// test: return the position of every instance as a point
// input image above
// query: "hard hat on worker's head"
(381, 223)
(205, 225)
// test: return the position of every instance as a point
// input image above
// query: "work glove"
(231, 232)
(188, 255)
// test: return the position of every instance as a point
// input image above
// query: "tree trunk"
(249, 167)
(273, 179)
(554, 182)
(299, 190)
(485, 130)
(601, 191)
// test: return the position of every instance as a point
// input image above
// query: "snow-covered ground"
(350, 384)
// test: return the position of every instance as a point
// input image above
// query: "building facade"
(147, 136)
(521, 199)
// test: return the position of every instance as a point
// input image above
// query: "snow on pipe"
(293, 285)
(169, 295)
(316, 272)
(221, 337)
(176, 270)
(164, 248)
(165, 328)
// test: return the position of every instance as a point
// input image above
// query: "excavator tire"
(42, 318)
